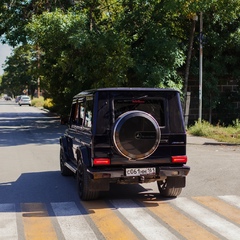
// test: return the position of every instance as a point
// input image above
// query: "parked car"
(125, 135)
(7, 98)
(17, 99)
(24, 100)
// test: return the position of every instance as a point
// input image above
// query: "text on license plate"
(140, 171)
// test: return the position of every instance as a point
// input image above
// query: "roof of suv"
(91, 91)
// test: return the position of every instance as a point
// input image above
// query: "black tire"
(83, 185)
(64, 170)
(136, 135)
(166, 191)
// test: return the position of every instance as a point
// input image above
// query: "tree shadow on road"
(29, 128)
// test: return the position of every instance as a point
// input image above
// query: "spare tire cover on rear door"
(136, 134)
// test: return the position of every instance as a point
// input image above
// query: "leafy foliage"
(221, 49)
(18, 72)
(74, 45)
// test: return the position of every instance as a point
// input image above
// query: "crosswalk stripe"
(178, 221)
(200, 217)
(72, 222)
(149, 227)
(228, 211)
(234, 200)
(205, 216)
(107, 221)
(36, 221)
(8, 224)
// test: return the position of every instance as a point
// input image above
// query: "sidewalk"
(201, 140)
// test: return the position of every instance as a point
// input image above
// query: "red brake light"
(101, 161)
(179, 159)
(138, 101)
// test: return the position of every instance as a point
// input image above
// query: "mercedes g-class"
(124, 136)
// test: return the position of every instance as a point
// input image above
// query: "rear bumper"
(161, 172)
(101, 179)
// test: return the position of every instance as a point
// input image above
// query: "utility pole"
(187, 95)
(38, 66)
(200, 65)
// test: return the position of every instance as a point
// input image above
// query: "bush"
(48, 104)
(201, 128)
(38, 102)
(230, 134)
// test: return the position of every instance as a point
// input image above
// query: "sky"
(5, 51)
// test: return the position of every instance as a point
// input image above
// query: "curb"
(196, 140)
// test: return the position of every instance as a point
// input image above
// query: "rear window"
(155, 107)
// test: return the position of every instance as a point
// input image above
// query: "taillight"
(179, 159)
(101, 161)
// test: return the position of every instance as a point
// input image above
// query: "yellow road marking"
(109, 224)
(37, 223)
(178, 221)
(221, 207)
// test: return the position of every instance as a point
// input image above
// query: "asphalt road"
(214, 167)
(32, 190)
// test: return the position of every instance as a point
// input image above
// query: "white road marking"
(149, 227)
(211, 220)
(8, 224)
(233, 200)
(72, 222)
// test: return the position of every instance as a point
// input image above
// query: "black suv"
(125, 135)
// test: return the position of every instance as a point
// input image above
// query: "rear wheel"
(83, 185)
(64, 170)
(166, 191)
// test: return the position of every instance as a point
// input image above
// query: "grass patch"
(230, 134)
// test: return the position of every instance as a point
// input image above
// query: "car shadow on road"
(48, 187)
(39, 187)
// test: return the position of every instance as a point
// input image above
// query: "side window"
(76, 114)
(73, 113)
(88, 114)
(82, 113)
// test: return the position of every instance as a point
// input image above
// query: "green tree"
(18, 77)
(16, 14)
(221, 48)
(73, 57)
(98, 43)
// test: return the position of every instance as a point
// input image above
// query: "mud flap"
(176, 182)
(99, 185)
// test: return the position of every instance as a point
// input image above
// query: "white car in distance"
(24, 100)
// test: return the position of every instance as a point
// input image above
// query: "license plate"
(140, 171)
